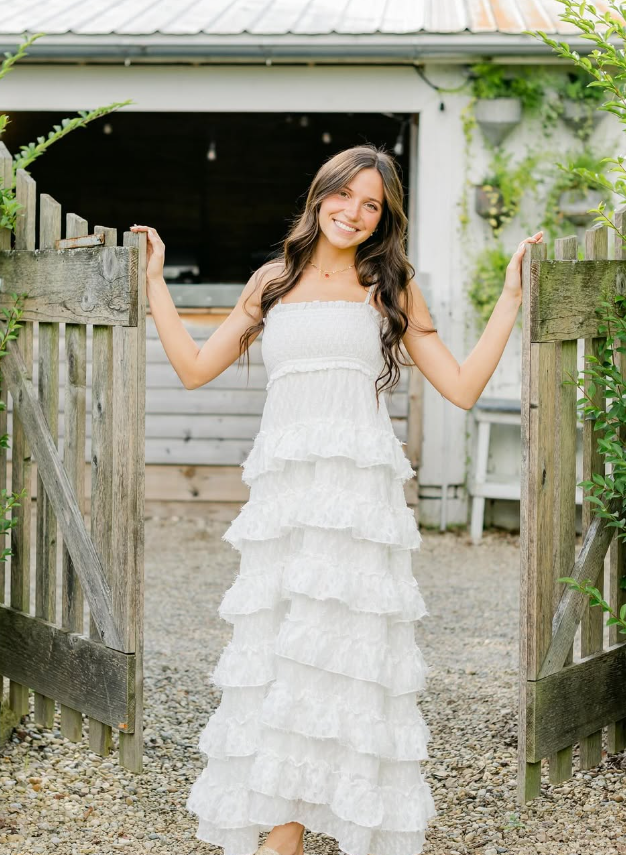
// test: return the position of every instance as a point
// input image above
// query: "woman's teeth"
(344, 227)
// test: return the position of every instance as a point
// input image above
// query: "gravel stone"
(61, 798)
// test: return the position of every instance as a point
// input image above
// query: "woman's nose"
(352, 211)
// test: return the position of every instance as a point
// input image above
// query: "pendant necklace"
(328, 273)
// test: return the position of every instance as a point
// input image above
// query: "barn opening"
(220, 188)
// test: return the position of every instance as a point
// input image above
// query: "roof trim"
(247, 47)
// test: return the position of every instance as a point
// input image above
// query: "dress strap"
(280, 299)
(369, 292)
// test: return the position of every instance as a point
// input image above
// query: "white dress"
(318, 721)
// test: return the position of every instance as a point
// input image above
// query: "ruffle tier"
(357, 715)
(325, 635)
(318, 720)
(306, 441)
(331, 494)
(365, 576)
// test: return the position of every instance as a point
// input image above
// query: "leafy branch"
(596, 599)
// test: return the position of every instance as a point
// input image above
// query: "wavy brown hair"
(381, 258)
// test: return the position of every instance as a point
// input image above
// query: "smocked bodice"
(322, 334)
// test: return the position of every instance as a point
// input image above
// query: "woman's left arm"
(463, 384)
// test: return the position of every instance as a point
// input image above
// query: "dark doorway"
(220, 188)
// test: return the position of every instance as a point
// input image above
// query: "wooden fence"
(566, 700)
(83, 279)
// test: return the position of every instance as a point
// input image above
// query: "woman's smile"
(344, 227)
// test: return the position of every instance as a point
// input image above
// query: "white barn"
(241, 60)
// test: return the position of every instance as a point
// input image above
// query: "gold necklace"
(328, 273)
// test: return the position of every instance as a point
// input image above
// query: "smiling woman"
(318, 724)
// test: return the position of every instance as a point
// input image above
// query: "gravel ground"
(58, 797)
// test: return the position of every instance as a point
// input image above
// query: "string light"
(211, 153)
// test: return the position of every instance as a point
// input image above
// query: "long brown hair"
(381, 258)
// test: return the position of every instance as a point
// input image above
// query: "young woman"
(318, 724)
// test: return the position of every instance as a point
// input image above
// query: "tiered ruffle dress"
(318, 721)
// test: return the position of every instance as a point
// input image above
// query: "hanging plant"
(499, 194)
(501, 99)
(490, 80)
(578, 103)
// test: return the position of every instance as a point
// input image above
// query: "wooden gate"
(565, 701)
(88, 284)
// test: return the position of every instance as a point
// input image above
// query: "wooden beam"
(79, 241)
(566, 352)
(564, 295)
(588, 565)
(535, 503)
(579, 700)
(78, 672)
(26, 196)
(80, 286)
(62, 496)
(48, 383)
(616, 731)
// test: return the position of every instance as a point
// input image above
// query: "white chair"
(487, 412)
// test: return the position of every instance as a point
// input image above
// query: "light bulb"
(211, 153)
(326, 137)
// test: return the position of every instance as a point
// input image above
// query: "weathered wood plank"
(26, 194)
(229, 402)
(575, 702)
(73, 458)
(592, 621)
(100, 454)
(48, 389)
(616, 731)
(6, 178)
(67, 666)
(83, 240)
(62, 495)
(129, 492)
(560, 763)
(81, 286)
(564, 296)
(530, 634)
(161, 428)
(589, 564)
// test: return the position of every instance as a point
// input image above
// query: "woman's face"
(350, 215)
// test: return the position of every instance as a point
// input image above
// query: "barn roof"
(230, 26)
(277, 17)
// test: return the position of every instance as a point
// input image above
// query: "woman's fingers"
(536, 238)
(153, 235)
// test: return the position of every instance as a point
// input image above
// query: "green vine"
(543, 93)
(505, 186)
(486, 280)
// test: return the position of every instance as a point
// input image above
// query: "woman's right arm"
(197, 366)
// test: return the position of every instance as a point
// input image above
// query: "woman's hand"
(513, 278)
(155, 252)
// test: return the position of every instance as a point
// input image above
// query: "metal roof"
(283, 17)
